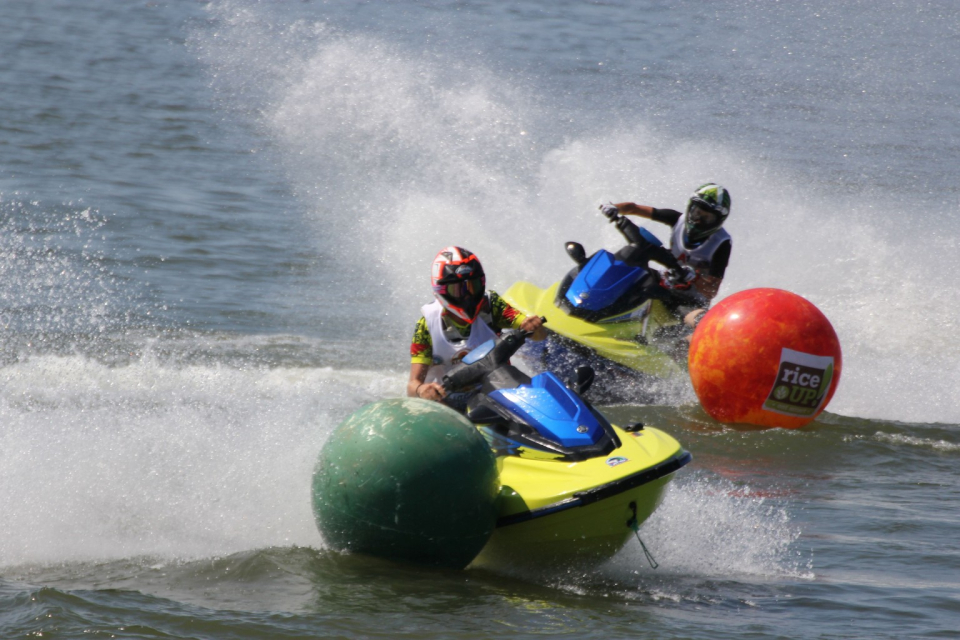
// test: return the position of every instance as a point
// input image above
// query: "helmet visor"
(702, 218)
(466, 289)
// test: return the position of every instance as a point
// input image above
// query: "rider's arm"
(534, 326)
(421, 358)
(417, 388)
(666, 216)
(418, 373)
(721, 257)
(421, 346)
(506, 317)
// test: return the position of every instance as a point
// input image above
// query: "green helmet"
(708, 208)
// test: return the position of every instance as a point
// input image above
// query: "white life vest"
(446, 351)
(699, 257)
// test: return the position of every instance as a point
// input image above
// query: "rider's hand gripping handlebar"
(611, 211)
(680, 278)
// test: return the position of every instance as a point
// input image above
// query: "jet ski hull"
(557, 510)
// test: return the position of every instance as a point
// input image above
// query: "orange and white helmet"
(458, 282)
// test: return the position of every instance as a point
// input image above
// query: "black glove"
(680, 278)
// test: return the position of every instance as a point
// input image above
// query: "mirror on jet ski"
(480, 352)
(488, 357)
(575, 250)
(583, 381)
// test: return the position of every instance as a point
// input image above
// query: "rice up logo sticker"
(801, 385)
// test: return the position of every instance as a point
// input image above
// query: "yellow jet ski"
(573, 485)
(615, 313)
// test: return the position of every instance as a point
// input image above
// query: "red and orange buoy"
(766, 357)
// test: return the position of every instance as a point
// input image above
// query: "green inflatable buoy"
(409, 480)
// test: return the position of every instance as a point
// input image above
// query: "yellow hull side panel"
(592, 531)
(614, 341)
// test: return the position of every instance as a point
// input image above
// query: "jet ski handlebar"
(484, 359)
(643, 247)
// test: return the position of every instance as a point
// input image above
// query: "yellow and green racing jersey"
(495, 311)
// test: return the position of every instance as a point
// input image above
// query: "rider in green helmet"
(698, 238)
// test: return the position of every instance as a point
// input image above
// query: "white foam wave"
(711, 528)
(145, 459)
(913, 441)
